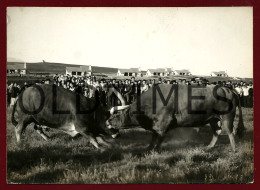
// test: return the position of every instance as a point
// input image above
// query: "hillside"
(60, 68)
(48, 67)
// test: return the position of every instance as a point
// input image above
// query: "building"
(219, 74)
(79, 71)
(159, 72)
(16, 68)
(103, 71)
(142, 73)
(129, 72)
(182, 72)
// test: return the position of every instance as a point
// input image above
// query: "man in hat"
(250, 91)
(144, 86)
(14, 94)
(245, 95)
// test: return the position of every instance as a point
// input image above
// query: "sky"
(199, 39)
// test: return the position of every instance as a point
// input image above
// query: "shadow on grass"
(44, 177)
(23, 159)
(147, 167)
(204, 158)
(173, 160)
(26, 157)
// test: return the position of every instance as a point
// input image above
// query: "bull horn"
(120, 97)
(117, 108)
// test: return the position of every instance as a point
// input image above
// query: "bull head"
(117, 108)
(112, 111)
(117, 120)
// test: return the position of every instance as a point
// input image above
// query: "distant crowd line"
(129, 88)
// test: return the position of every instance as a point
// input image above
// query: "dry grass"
(182, 159)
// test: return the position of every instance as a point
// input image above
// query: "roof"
(131, 70)
(60, 68)
(73, 69)
(182, 71)
(216, 79)
(159, 70)
(169, 69)
(48, 67)
(106, 70)
(39, 72)
(219, 72)
(15, 65)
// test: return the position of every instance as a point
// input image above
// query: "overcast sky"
(199, 39)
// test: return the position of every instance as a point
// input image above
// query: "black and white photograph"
(129, 95)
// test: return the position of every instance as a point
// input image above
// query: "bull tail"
(13, 119)
(240, 127)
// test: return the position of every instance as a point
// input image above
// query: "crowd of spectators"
(89, 86)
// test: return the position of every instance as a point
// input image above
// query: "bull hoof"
(108, 146)
(152, 148)
(102, 149)
(149, 148)
(47, 138)
(19, 144)
(46, 129)
(103, 143)
(232, 150)
(77, 136)
(114, 136)
(218, 132)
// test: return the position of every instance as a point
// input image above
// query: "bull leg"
(213, 141)
(100, 140)
(18, 132)
(40, 132)
(216, 131)
(95, 143)
(83, 130)
(154, 138)
(92, 140)
(228, 127)
(19, 129)
(72, 133)
(232, 141)
(159, 141)
(156, 141)
(160, 128)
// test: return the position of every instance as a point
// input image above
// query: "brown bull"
(165, 107)
(61, 109)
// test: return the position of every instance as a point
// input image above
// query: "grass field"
(183, 158)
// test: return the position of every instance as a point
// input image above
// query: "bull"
(167, 106)
(58, 108)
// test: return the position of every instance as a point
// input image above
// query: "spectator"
(132, 79)
(8, 94)
(71, 87)
(251, 94)
(25, 85)
(174, 82)
(144, 86)
(245, 95)
(14, 94)
(128, 91)
(239, 90)
(152, 83)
